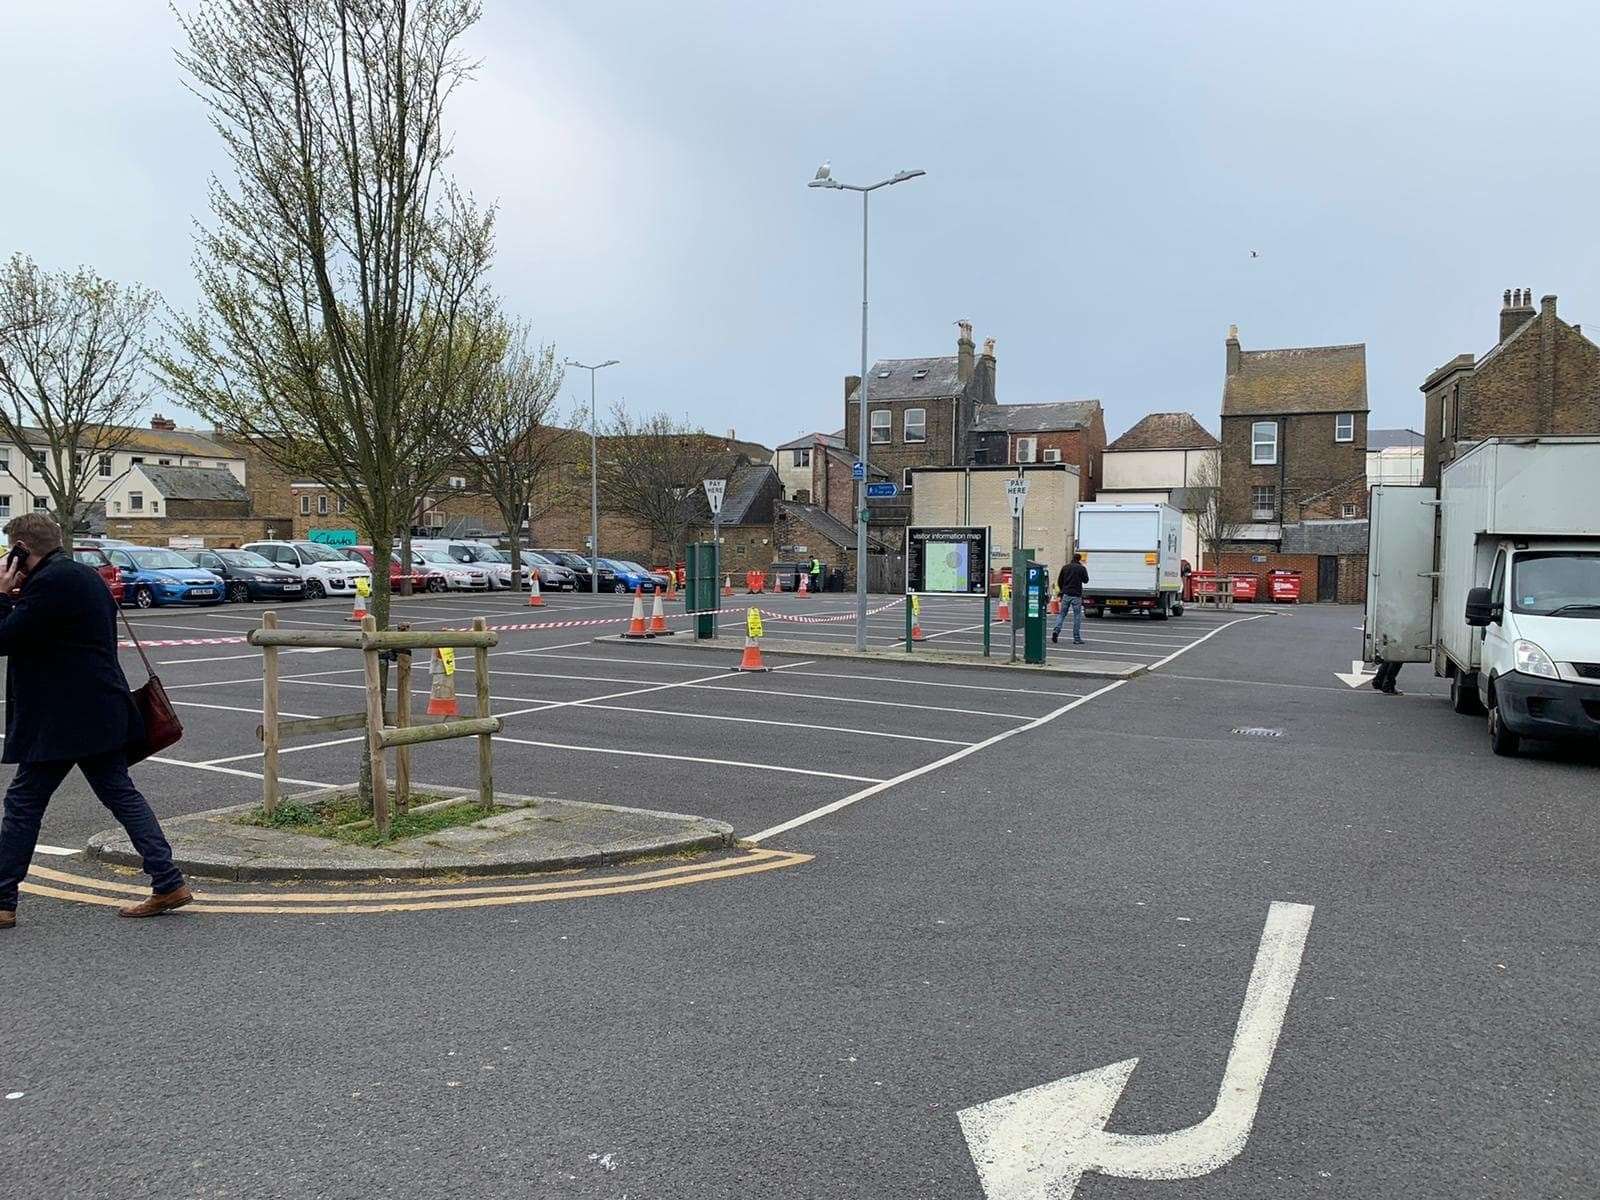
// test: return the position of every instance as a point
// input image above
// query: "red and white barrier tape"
(528, 626)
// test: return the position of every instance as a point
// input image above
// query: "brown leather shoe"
(158, 903)
(8, 918)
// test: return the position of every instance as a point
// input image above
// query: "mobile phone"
(14, 559)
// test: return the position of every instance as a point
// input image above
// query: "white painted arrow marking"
(1359, 674)
(1037, 1144)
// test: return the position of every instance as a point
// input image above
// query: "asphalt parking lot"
(644, 725)
(1003, 888)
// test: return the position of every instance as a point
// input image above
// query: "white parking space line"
(927, 768)
(974, 712)
(152, 629)
(254, 712)
(668, 712)
(1156, 666)
(220, 770)
(718, 762)
(54, 851)
(976, 687)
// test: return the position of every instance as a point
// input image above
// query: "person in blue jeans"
(1070, 583)
(68, 705)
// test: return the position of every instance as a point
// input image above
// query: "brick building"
(1069, 431)
(749, 512)
(1294, 431)
(1541, 377)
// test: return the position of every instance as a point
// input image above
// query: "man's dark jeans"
(29, 793)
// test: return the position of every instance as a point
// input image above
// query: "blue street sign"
(882, 491)
(858, 470)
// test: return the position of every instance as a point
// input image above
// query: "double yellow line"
(83, 889)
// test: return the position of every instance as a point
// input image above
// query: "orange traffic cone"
(804, 588)
(1003, 613)
(916, 626)
(636, 627)
(658, 619)
(1055, 605)
(442, 689)
(358, 611)
(535, 596)
(727, 585)
(752, 657)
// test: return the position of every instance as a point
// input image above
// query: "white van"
(494, 563)
(325, 571)
(1515, 622)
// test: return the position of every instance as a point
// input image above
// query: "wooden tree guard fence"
(399, 736)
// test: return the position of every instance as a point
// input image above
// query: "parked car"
(629, 577)
(323, 570)
(582, 570)
(458, 577)
(552, 575)
(364, 556)
(248, 576)
(94, 556)
(496, 566)
(155, 576)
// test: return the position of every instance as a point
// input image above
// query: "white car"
(324, 570)
(494, 563)
(458, 576)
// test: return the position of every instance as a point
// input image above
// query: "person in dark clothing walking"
(1384, 679)
(68, 705)
(1070, 583)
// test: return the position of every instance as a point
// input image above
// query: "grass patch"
(342, 819)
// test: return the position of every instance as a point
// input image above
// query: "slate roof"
(1325, 537)
(1306, 379)
(177, 442)
(1394, 439)
(807, 440)
(741, 502)
(829, 526)
(1035, 418)
(1166, 431)
(195, 483)
(913, 379)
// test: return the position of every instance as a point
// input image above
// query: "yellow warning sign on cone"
(358, 611)
(752, 622)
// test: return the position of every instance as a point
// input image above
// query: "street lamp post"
(594, 473)
(824, 179)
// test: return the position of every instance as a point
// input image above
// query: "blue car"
(153, 576)
(629, 576)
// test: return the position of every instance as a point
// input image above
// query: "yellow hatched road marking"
(416, 900)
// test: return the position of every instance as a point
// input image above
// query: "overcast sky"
(1097, 177)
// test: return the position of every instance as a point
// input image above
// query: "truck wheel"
(1501, 740)
(1464, 695)
(1163, 611)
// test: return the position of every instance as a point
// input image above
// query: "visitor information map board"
(947, 560)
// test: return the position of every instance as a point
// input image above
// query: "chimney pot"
(988, 347)
(965, 366)
(1547, 304)
(1507, 301)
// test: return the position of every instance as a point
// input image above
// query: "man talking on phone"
(67, 705)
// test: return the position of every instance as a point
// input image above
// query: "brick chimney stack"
(1233, 349)
(163, 423)
(965, 360)
(986, 364)
(1516, 311)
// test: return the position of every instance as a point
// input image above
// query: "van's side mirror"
(1481, 608)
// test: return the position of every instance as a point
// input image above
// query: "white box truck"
(1134, 556)
(1496, 581)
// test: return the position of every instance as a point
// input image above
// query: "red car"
(93, 556)
(363, 554)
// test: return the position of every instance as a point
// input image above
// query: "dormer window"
(884, 374)
(920, 373)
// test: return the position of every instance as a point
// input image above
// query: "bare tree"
(651, 470)
(72, 375)
(344, 324)
(513, 444)
(1216, 521)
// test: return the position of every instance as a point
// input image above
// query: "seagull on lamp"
(824, 178)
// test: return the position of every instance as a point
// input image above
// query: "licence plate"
(201, 592)
(1116, 604)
